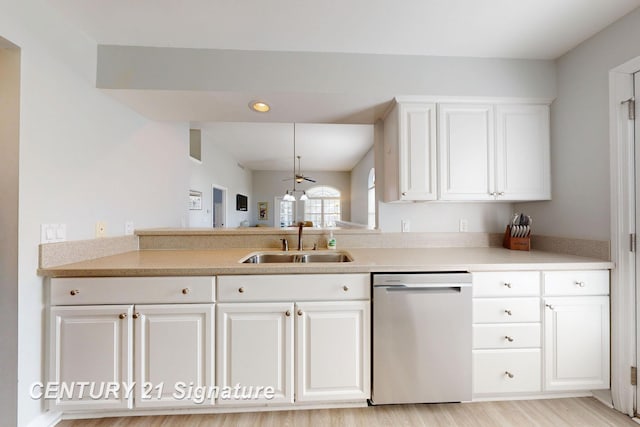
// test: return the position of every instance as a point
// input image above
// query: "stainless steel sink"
(300, 257)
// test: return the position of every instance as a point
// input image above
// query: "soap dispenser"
(331, 243)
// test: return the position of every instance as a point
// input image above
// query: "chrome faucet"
(300, 225)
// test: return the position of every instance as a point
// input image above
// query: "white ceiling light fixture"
(259, 106)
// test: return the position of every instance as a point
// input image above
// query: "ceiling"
(525, 29)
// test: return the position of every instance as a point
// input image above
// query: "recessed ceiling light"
(259, 106)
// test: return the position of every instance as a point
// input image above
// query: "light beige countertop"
(227, 261)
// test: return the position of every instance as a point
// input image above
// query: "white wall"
(580, 135)
(221, 169)
(9, 174)
(360, 188)
(83, 158)
(270, 184)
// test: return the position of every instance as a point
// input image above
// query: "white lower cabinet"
(528, 345)
(306, 351)
(130, 355)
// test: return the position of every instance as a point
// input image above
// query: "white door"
(522, 152)
(219, 207)
(254, 348)
(174, 355)
(576, 343)
(466, 151)
(91, 345)
(333, 351)
(636, 138)
(417, 151)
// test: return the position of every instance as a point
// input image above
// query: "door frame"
(224, 205)
(624, 326)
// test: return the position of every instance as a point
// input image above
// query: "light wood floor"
(584, 411)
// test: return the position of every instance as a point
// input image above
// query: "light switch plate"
(128, 228)
(405, 226)
(464, 225)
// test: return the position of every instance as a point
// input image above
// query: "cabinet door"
(174, 355)
(254, 344)
(576, 343)
(333, 351)
(417, 151)
(466, 151)
(91, 352)
(522, 152)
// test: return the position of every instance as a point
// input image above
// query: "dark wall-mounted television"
(241, 202)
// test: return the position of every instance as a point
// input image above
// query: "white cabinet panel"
(91, 345)
(506, 310)
(522, 152)
(410, 152)
(506, 335)
(506, 284)
(255, 348)
(173, 351)
(576, 343)
(506, 371)
(570, 283)
(333, 340)
(466, 151)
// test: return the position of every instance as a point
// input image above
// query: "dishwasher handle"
(426, 287)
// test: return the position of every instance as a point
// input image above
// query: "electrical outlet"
(101, 229)
(464, 225)
(128, 228)
(405, 226)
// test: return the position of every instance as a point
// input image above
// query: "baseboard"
(46, 419)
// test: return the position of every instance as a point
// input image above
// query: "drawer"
(507, 371)
(506, 310)
(506, 284)
(506, 335)
(294, 287)
(131, 290)
(585, 282)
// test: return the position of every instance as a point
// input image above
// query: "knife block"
(516, 243)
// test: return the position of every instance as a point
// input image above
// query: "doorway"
(219, 208)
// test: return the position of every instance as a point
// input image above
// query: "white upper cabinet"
(471, 151)
(522, 152)
(467, 155)
(410, 152)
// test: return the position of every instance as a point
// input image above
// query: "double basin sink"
(297, 257)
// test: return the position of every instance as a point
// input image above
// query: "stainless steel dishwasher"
(421, 338)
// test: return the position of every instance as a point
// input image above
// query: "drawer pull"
(509, 374)
(123, 315)
(74, 292)
(508, 312)
(345, 288)
(185, 291)
(287, 313)
(508, 285)
(241, 290)
(508, 338)
(136, 315)
(580, 284)
(300, 313)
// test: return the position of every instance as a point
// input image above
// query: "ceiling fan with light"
(298, 177)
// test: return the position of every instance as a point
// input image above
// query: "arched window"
(371, 199)
(323, 206)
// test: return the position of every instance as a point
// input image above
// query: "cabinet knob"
(508, 285)
(185, 291)
(287, 313)
(300, 312)
(123, 315)
(404, 193)
(508, 312)
(549, 305)
(241, 290)
(136, 315)
(509, 374)
(580, 284)
(345, 288)
(493, 193)
(74, 292)
(501, 193)
(508, 338)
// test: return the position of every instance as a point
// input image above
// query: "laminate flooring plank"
(570, 412)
